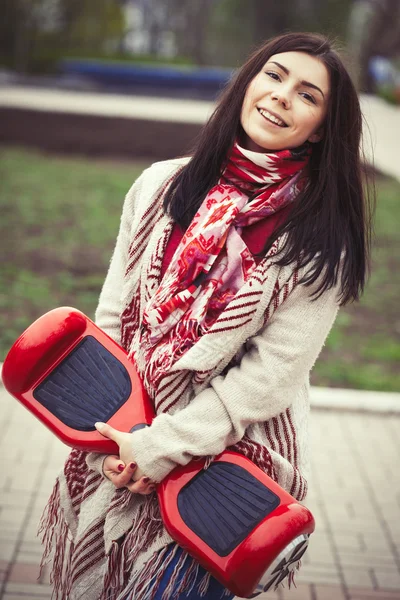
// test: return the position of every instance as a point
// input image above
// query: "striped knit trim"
(149, 219)
(257, 453)
(171, 395)
(130, 319)
(151, 216)
(282, 438)
(280, 295)
(153, 276)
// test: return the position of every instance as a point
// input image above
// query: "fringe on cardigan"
(120, 580)
(54, 534)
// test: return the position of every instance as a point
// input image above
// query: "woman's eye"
(308, 97)
(273, 75)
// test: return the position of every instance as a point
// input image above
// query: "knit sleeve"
(268, 378)
(109, 307)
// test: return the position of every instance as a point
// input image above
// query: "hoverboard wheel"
(285, 563)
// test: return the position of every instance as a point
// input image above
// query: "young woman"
(226, 278)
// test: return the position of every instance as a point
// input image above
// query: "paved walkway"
(382, 120)
(354, 495)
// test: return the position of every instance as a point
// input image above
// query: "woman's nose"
(281, 97)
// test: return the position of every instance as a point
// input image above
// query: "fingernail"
(121, 467)
(99, 425)
(133, 465)
(146, 479)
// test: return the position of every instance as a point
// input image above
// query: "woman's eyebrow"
(306, 83)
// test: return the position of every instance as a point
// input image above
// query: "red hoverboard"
(234, 519)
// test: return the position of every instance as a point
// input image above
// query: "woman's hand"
(122, 471)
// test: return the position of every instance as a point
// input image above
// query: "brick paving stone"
(7, 551)
(358, 593)
(25, 478)
(301, 592)
(328, 592)
(387, 578)
(348, 541)
(361, 576)
(31, 591)
(13, 499)
(314, 575)
(17, 596)
(367, 559)
(318, 553)
(28, 558)
(24, 573)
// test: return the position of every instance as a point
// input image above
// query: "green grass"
(59, 220)
(363, 349)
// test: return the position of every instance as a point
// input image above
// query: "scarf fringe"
(176, 574)
(290, 579)
(142, 586)
(188, 580)
(203, 584)
(54, 535)
(149, 523)
(292, 575)
(183, 578)
(122, 556)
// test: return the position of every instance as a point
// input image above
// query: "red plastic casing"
(242, 569)
(39, 350)
(45, 344)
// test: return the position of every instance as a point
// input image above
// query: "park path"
(381, 120)
(354, 496)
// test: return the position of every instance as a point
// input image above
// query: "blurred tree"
(190, 22)
(92, 24)
(20, 28)
(237, 25)
(230, 33)
(270, 18)
(32, 28)
(216, 32)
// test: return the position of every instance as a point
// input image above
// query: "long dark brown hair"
(329, 227)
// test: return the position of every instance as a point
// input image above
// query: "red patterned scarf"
(212, 262)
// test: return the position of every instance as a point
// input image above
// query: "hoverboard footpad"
(223, 504)
(89, 385)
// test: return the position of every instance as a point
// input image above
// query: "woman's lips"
(271, 117)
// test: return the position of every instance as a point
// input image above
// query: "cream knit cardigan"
(250, 378)
(265, 394)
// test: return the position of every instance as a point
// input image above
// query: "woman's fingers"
(119, 474)
(112, 466)
(108, 431)
(122, 475)
(125, 476)
(122, 438)
(142, 486)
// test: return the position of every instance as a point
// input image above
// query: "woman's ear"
(316, 137)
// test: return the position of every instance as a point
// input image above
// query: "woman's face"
(286, 103)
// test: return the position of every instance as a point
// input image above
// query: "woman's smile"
(271, 117)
